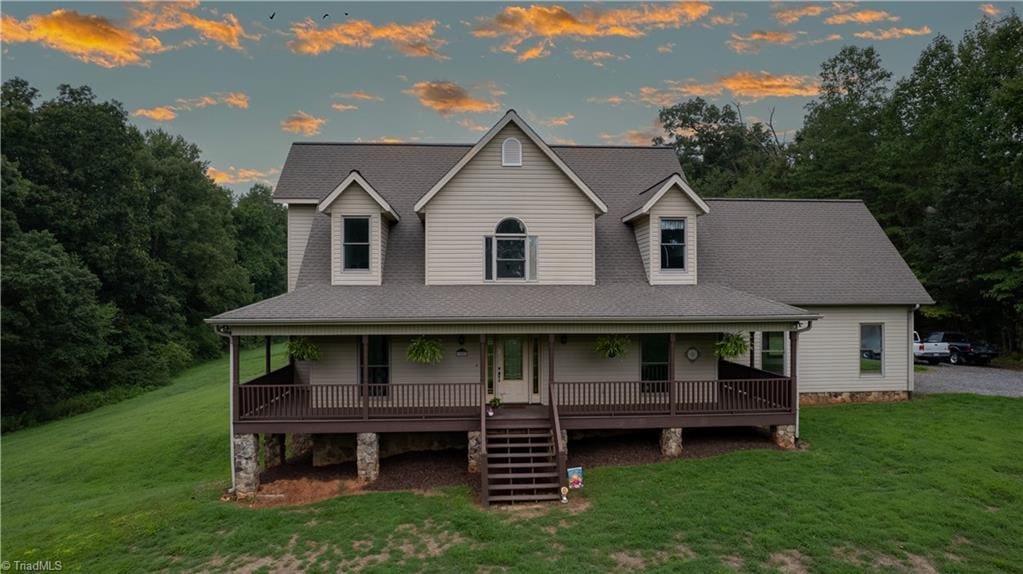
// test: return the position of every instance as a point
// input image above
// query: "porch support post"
(364, 351)
(275, 455)
(367, 456)
(266, 344)
(246, 464)
(483, 367)
(550, 360)
(671, 373)
(793, 343)
(785, 435)
(671, 442)
(752, 349)
(475, 442)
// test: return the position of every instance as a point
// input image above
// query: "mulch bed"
(643, 447)
(299, 482)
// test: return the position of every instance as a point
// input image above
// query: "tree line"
(937, 157)
(116, 245)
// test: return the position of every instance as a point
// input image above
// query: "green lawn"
(135, 487)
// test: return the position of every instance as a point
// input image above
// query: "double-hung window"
(378, 366)
(355, 243)
(653, 363)
(871, 348)
(673, 244)
(509, 254)
(772, 352)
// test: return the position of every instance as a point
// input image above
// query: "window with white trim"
(511, 153)
(510, 253)
(355, 243)
(871, 348)
(673, 244)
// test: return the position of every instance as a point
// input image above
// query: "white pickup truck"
(933, 353)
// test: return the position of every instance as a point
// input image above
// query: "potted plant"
(302, 349)
(425, 351)
(612, 346)
(492, 406)
(731, 345)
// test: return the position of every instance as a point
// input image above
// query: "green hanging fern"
(731, 345)
(425, 351)
(302, 349)
(612, 346)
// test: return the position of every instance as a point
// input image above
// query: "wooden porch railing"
(258, 401)
(642, 398)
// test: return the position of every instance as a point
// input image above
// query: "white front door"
(511, 365)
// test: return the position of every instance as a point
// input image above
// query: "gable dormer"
(510, 211)
(665, 224)
(360, 220)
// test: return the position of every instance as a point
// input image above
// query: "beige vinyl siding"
(704, 368)
(673, 205)
(829, 353)
(338, 362)
(451, 369)
(484, 192)
(641, 227)
(355, 202)
(300, 221)
(576, 361)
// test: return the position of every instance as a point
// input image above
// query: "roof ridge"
(406, 144)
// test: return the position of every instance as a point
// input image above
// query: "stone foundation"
(671, 442)
(475, 451)
(784, 436)
(299, 444)
(367, 456)
(274, 450)
(330, 449)
(853, 397)
(564, 439)
(246, 464)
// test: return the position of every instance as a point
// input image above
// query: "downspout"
(910, 375)
(230, 397)
(809, 325)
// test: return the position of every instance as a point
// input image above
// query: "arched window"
(511, 152)
(509, 253)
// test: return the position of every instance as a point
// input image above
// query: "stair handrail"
(560, 450)
(484, 486)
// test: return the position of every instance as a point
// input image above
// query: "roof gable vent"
(511, 152)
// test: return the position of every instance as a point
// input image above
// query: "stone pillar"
(475, 452)
(367, 456)
(784, 436)
(246, 464)
(564, 439)
(671, 442)
(275, 455)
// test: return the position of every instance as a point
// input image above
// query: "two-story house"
(517, 264)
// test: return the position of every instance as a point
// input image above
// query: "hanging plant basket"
(612, 346)
(731, 345)
(425, 351)
(302, 349)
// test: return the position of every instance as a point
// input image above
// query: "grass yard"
(936, 483)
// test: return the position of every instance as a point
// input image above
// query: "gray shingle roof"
(752, 253)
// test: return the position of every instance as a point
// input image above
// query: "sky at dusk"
(244, 86)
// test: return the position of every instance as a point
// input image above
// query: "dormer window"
(355, 243)
(511, 153)
(673, 244)
(510, 253)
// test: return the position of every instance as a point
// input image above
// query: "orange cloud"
(302, 123)
(752, 42)
(828, 38)
(233, 175)
(724, 20)
(359, 95)
(472, 125)
(989, 9)
(893, 33)
(518, 24)
(344, 107)
(610, 100)
(666, 48)
(788, 16)
(636, 137)
(88, 38)
(557, 121)
(164, 16)
(754, 86)
(448, 98)
(596, 57)
(169, 112)
(158, 114)
(860, 17)
(416, 40)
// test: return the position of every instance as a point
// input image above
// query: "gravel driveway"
(944, 378)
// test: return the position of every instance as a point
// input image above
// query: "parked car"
(932, 353)
(959, 348)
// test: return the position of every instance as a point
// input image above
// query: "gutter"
(809, 325)
(512, 321)
(230, 399)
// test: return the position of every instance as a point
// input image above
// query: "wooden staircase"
(521, 464)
